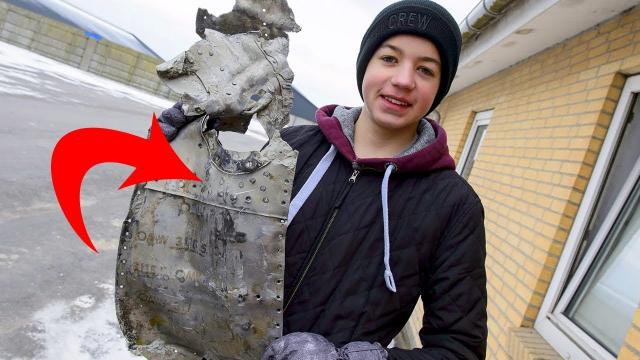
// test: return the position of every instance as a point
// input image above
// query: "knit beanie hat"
(423, 18)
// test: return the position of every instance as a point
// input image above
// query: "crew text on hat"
(412, 20)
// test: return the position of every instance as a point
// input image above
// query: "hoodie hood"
(434, 156)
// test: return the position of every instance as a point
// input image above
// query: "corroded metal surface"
(201, 265)
(270, 18)
(230, 78)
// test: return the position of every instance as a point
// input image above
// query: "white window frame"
(563, 335)
(481, 118)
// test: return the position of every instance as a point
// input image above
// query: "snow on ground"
(81, 329)
(21, 73)
(19, 66)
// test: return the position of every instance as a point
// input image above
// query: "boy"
(385, 218)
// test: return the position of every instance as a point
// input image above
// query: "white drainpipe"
(483, 14)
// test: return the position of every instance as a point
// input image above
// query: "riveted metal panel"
(201, 264)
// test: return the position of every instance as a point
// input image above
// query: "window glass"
(474, 141)
(627, 152)
(473, 151)
(609, 294)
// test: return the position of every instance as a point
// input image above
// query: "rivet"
(283, 221)
(121, 286)
(142, 235)
(283, 202)
(263, 10)
(247, 199)
(277, 297)
(210, 52)
(220, 194)
(266, 173)
(221, 68)
(265, 200)
(181, 184)
(234, 83)
(124, 248)
(241, 184)
(124, 261)
(277, 325)
(199, 51)
(233, 197)
(252, 180)
(122, 274)
(286, 191)
(264, 24)
(263, 188)
(286, 181)
(228, 93)
(278, 281)
(249, 164)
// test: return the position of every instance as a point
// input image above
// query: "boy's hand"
(172, 120)
(308, 346)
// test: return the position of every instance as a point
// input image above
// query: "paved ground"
(56, 296)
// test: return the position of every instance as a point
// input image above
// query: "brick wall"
(631, 348)
(551, 114)
(71, 46)
(527, 344)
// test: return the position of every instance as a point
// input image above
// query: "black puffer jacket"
(437, 249)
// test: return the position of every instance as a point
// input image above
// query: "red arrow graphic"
(80, 150)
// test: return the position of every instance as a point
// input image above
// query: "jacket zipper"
(323, 234)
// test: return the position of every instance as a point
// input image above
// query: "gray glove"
(172, 120)
(308, 346)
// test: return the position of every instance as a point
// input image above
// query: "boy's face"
(400, 82)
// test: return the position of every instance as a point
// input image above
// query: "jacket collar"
(434, 156)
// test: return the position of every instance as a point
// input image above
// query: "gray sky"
(322, 55)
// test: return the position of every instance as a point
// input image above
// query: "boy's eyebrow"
(423, 58)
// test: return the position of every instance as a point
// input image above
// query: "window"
(595, 290)
(476, 135)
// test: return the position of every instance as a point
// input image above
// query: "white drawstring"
(311, 183)
(388, 276)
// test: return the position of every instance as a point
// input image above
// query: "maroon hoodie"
(432, 157)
